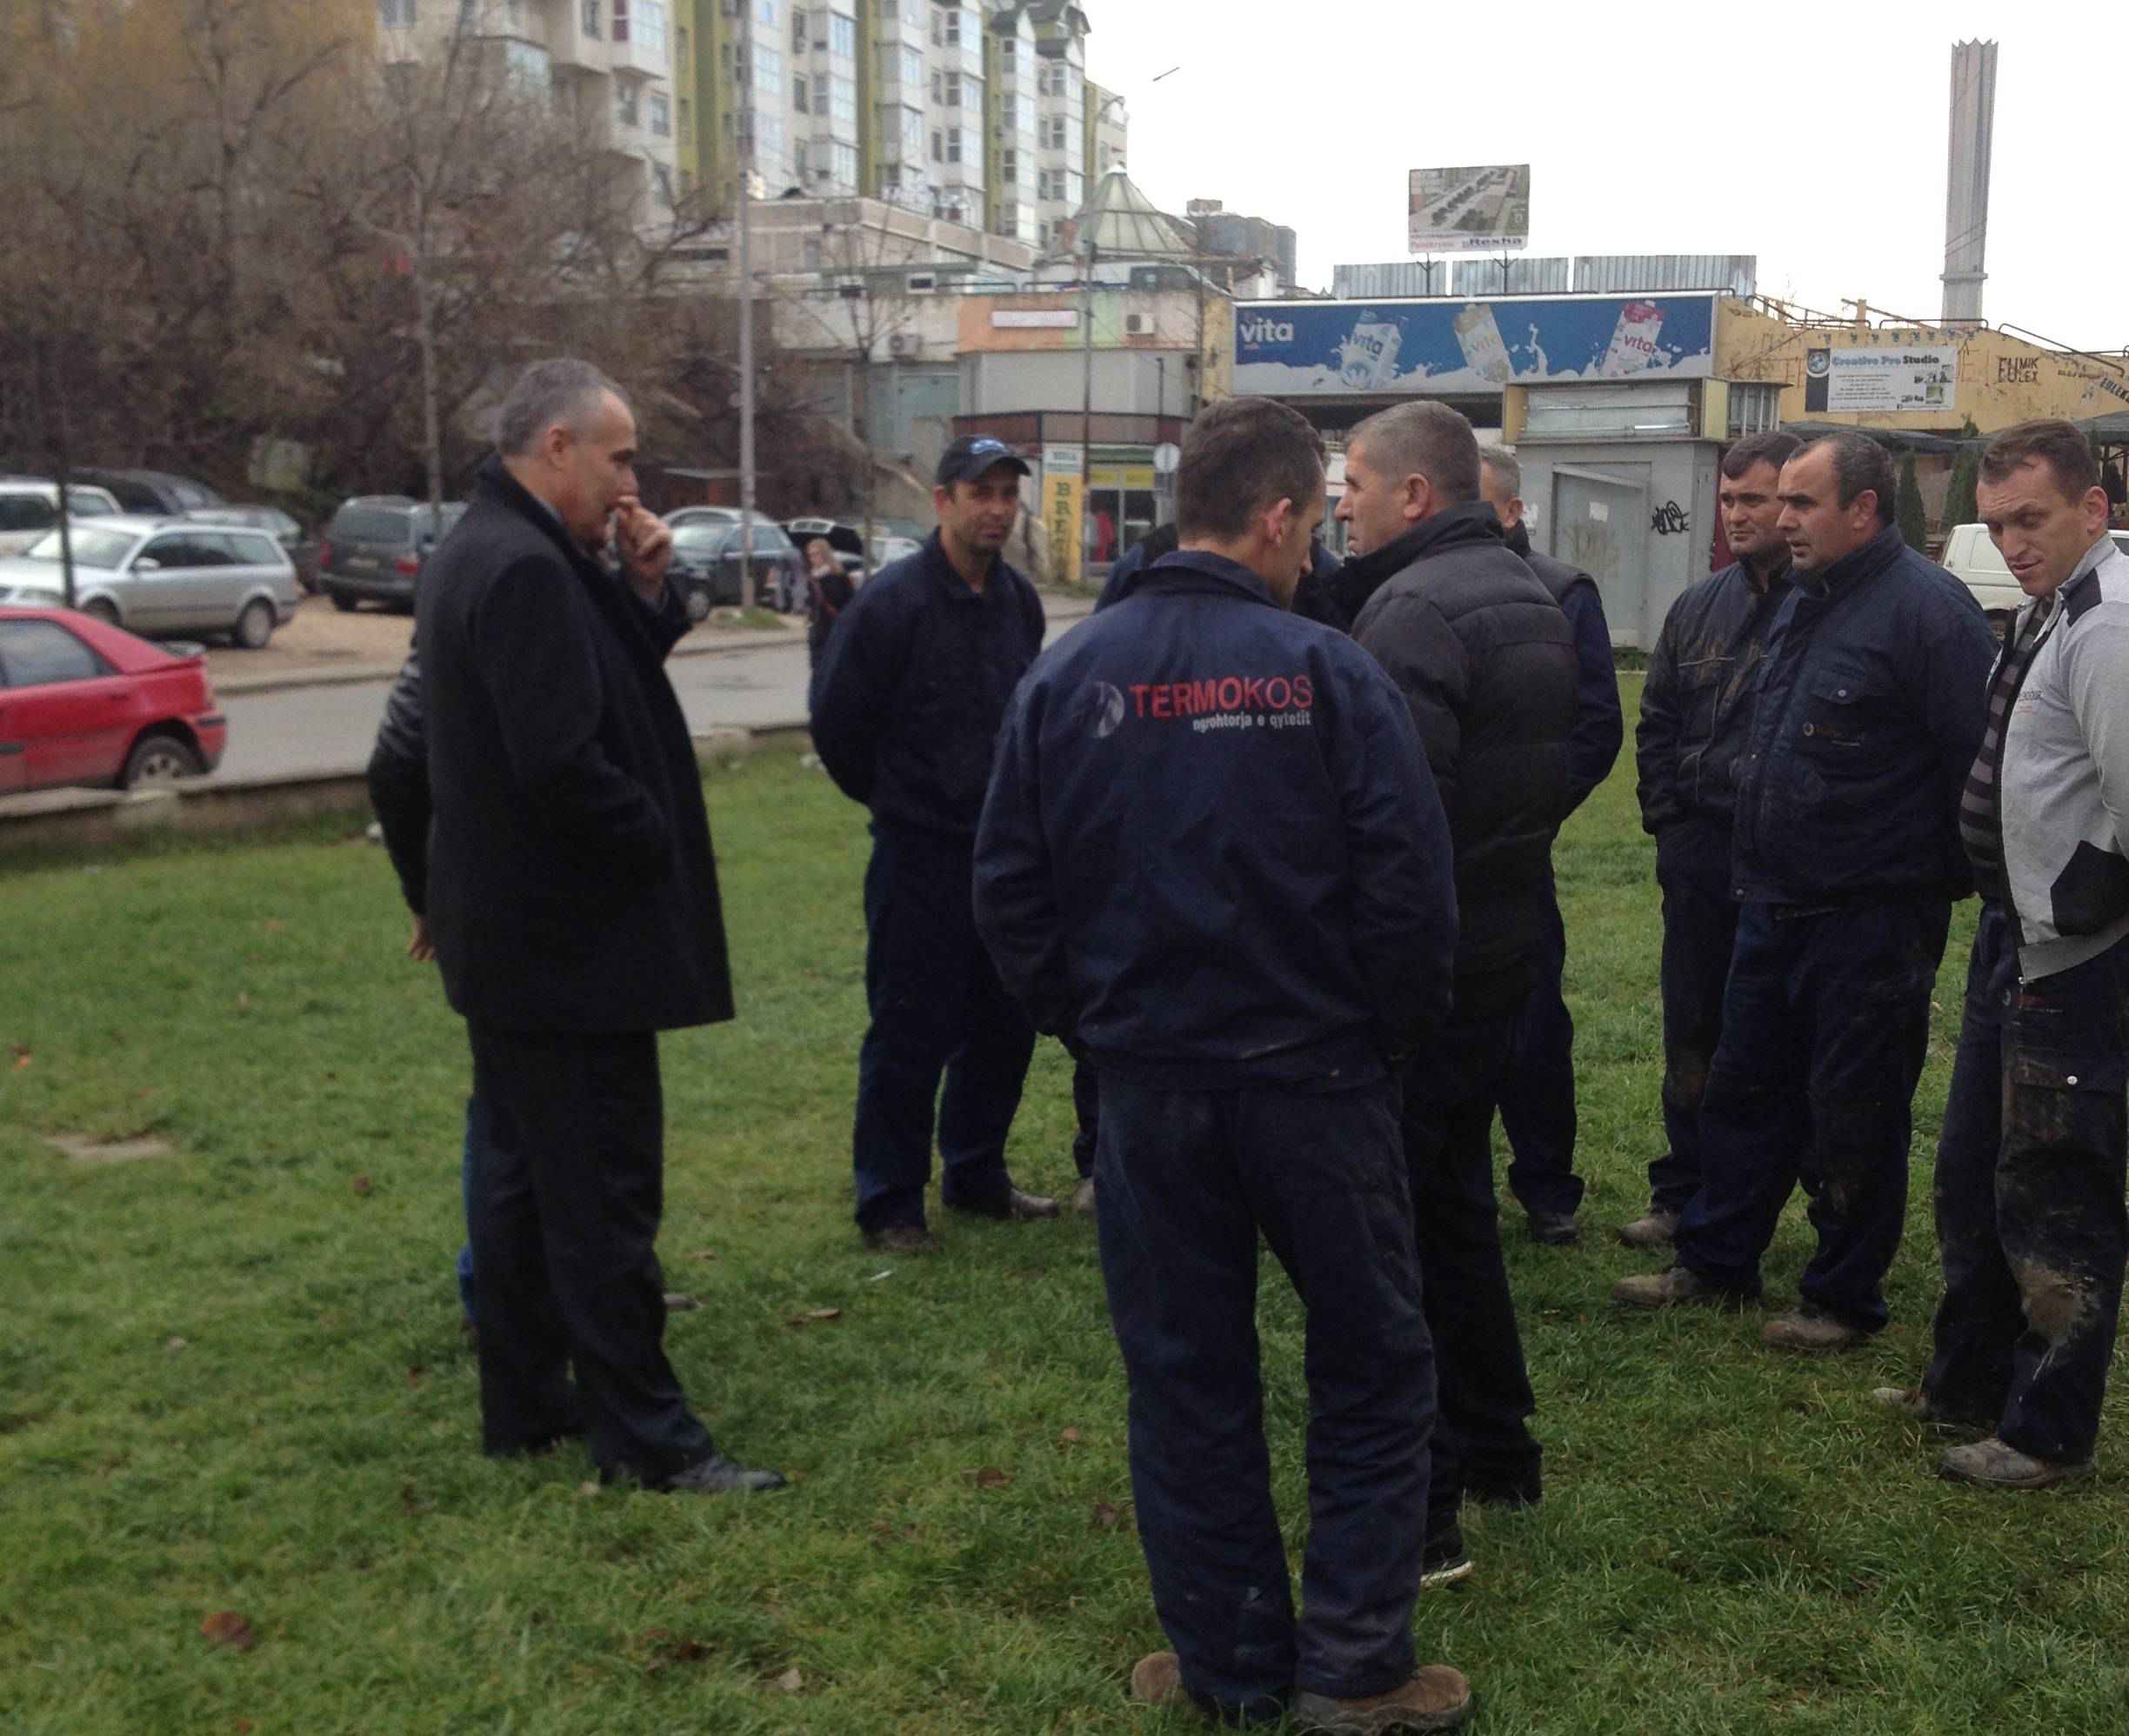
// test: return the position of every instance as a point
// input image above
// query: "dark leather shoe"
(718, 1475)
(1014, 1206)
(902, 1238)
(1555, 1229)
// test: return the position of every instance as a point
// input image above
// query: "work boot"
(1555, 1229)
(1156, 1680)
(1014, 1206)
(1445, 1560)
(1083, 1197)
(1916, 1406)
(1653, 1229)
(1667, 1289)
(1810, 1328)
(902, 1238)
(1437, 1698)
(1997, 1465)
(718, 1475)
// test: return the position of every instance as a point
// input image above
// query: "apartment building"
(609, 64)
(975, 114)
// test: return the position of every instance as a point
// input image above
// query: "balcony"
(638, 35)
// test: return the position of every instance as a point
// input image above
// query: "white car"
(1971, 557)
(162, 578)
(30, 507)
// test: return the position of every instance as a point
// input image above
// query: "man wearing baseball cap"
(906, 705)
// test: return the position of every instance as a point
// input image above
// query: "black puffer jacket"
(1485, 658)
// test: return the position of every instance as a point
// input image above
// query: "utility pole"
(746, 307)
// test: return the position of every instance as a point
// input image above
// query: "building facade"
(978, 114)
(609, 64)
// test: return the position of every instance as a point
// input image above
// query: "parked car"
(159, 492)
(887, 547)
(681, 515)
(374, 548)
(1972, 558)
(846, 540)
(162, 576)
(302, 547)
(706, 564)
(83, 702)
(30, 507)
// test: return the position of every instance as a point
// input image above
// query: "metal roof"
(1119, 221)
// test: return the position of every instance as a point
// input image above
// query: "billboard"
(1915, 377)
(1436, 348)
(1469, 211)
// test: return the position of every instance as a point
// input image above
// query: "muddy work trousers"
(1825, 1024)
(2030, 1219)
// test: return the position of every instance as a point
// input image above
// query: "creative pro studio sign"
(1289, 349)
(1912, 377)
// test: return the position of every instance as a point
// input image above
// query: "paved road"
(314, 729)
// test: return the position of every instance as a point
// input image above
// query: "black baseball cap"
(972, 455)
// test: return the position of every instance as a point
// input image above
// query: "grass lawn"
(232, 1379)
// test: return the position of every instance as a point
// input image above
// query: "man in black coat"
(573, 902)
(1485, 659)
(1539, 1116)
(906, 705)
(1696, 715)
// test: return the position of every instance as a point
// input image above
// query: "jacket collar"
(1456, 527)
(1177, 570)
(494, 481)
(1854, 567)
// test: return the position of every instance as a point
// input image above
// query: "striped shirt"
(1981, 802)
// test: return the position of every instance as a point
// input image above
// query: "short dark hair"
(561, 390)
(2059, 445)
(1773, 447)
(1860, 463)
(1428, 439)
(1241, 457)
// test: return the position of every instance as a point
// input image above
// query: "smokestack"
(1966, 181)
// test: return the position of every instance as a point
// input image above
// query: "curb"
(78, 819)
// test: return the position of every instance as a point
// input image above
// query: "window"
(650, 26)
(768, 71)
(939, 146)
(912, 68)
(525, 66)
(938, 85)
(765, 10)
(1006, 47)
(1009, 170)
(843, 36)
(1045, 182)
(1071, 188)
(938, 30)
(771, 152)
(913, 133)
(1053, 133)
(1045, 81)
(396, 14)
(844, 108)
(619, 32)
(798, 30)
(41, 653)
(591, 18)
(954, 89)
(661, 115)
(953, 27)
(802, 88)
(626, 110)
(183, 553)
(842, 164)
(953, 144)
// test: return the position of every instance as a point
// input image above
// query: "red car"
(84, 703)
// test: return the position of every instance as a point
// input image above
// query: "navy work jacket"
(1211, 847)
(1871, 710)
(913, 684)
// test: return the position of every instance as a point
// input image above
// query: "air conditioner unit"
(1137, 325)
(906, 343)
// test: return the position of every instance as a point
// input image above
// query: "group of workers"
(1280, 878)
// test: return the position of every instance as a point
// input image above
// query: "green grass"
(233, 1380)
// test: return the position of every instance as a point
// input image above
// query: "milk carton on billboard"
(1478, 336)
(1367, 360)
(1633, 340)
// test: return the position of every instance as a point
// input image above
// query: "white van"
(1971, 557)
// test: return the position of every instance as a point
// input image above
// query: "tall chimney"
(1966, 181)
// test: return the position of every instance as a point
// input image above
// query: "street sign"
(1482, 209)
(1166, 457)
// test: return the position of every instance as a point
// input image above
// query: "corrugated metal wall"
(1736, 274)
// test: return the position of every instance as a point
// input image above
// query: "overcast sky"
(1816, 139)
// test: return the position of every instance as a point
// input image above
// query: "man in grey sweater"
(2030, 1165)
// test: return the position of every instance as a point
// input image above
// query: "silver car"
(164, 577)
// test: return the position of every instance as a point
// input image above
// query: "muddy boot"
(1668, 1289)
(1437, 1698)
(1997, 1465)
(1810, 1329)
(1653, 1229)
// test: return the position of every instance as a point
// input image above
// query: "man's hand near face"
(646, 545)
